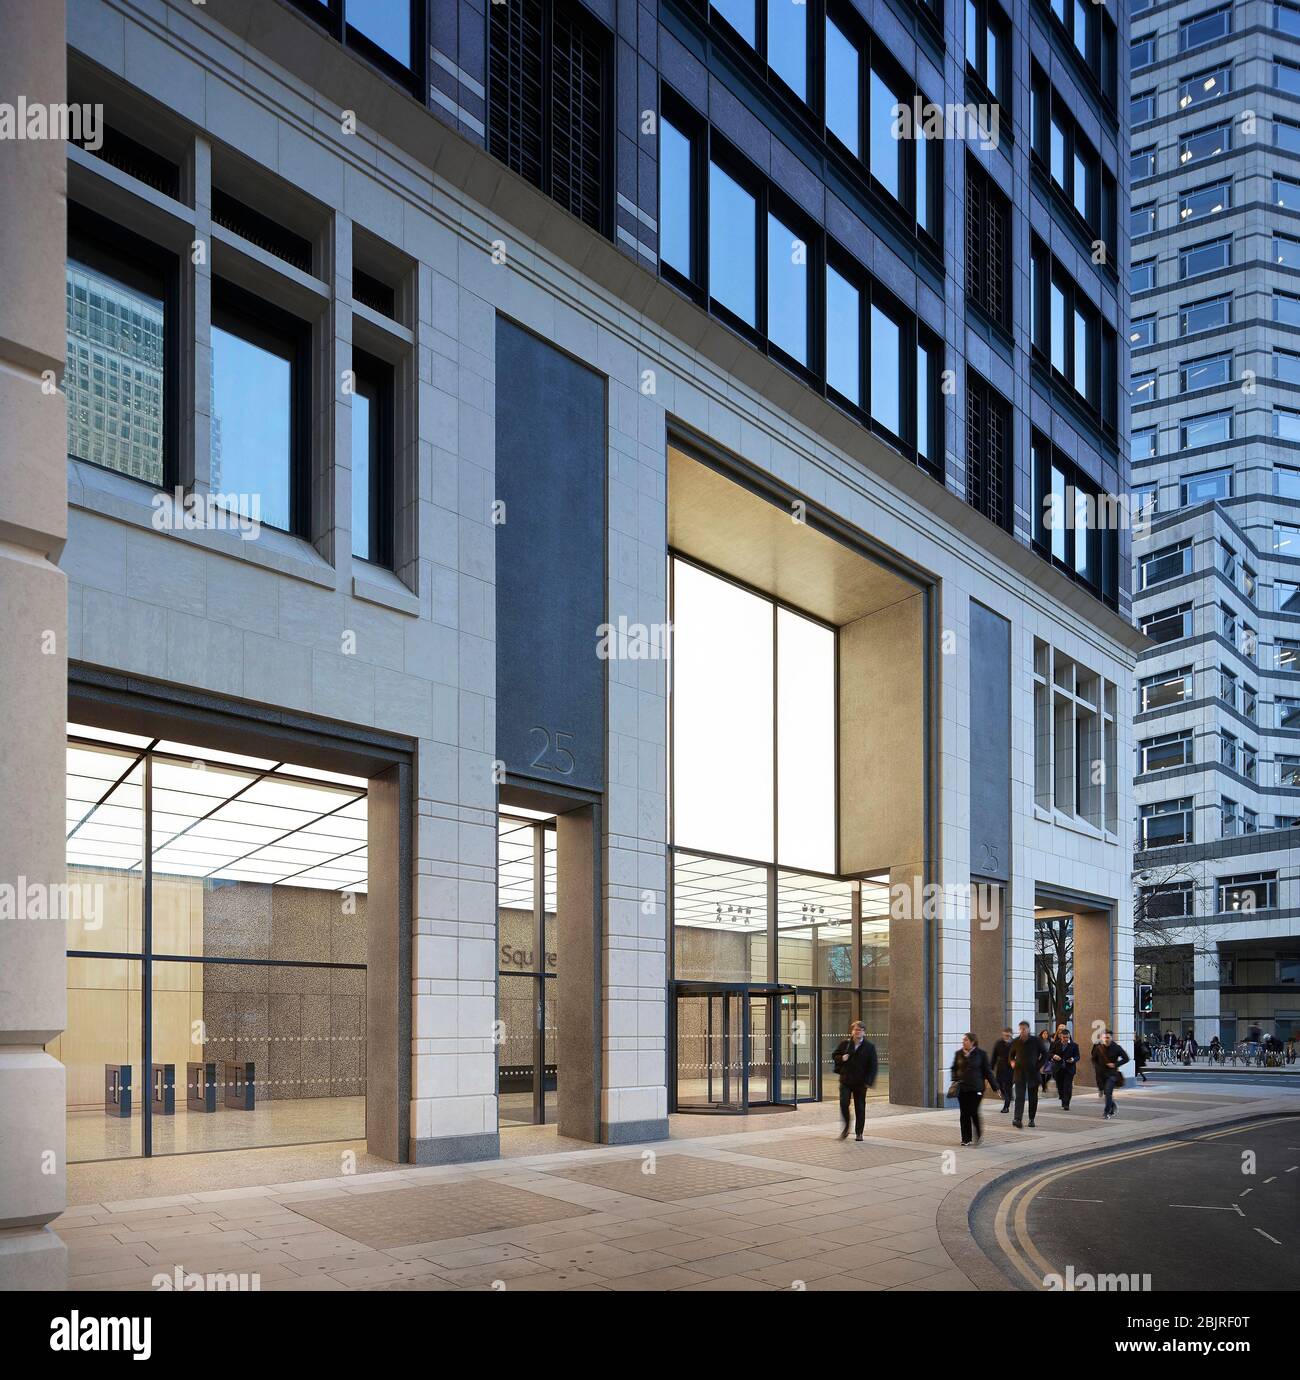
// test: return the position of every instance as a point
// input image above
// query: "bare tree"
(1054, 950)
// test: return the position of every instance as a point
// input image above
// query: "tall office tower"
(652, 628)
(1215, 221)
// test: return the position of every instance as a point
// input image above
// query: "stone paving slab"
(844, 1155)
(408, 1216)
(675, 1177)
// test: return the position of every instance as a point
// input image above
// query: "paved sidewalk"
(783, 1205)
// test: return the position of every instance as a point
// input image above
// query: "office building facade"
(1215, 189)
(575, 624)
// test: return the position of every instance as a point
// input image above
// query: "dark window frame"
(376, 381)
(581, 19)
(988, 274)
(279, 332)
(1102, 553)
(332, 16)
(110, 249)
(988, 414)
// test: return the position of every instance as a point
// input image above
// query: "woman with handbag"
(970, 1071)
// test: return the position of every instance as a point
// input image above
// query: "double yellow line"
(1011, 1224)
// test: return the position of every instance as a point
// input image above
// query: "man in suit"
(856, 1061)
(1002, 1066)
(1064, 1063)
(1027, 1057)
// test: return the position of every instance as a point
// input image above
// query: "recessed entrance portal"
(798, 785)
(742, 1046)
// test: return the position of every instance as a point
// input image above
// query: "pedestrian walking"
(1140, 1056)
(970, 1071)
(1027, 1056)
(1063, 1063)
(856, 1061)
(1002, 1066)
(1109, 1057)
(1045, 1036)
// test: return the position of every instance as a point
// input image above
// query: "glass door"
(800, 1056)
(710, 1067)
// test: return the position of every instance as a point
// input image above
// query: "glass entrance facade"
(527, 1063)
(216, 927)
(757, 899)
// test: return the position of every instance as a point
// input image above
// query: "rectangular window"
(886, 370)
(988, 435)
(1258, 892)
(1169, 901)
(1142, 220)
(1165, 824)
(260, 407)
(1204, 201)
(1142, 164)
(1142, 331)
(1286, 424)
(387, 24)
(988, 244)
(1286, 135)
(1286, 481)
(1208, 315)
(787, 290)
(1144, 443)
(1286, 309)
(929, 406)
(1205, 143)
(121, 342)
(733, 246)
(548, 99)
(1212, 372)
(372, 460)
(1168, 688)
(1205, 488)
(886, 151)
(988, 45)
(1286, 539)
(1142, 108)
(1169, 625)
(1142, 276)
(1167, 752)
(843, 337)
(1141, 51)
(1204, 28)
(1205, 258)
(1167, 564)
(1286, 77)
(1204, 86)
(843, 88)
(1286, 192)
(787, 43)
(1286, 366)
(677, 210)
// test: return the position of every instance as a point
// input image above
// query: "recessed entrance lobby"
(216, 917)
(798, 786)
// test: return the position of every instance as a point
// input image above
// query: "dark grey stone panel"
(550, 562)
(456, 1149)
(990, 743)
(633, 1132)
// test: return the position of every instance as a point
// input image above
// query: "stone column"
(1094, 960)
(578, 979)
(883, 772)
(1205, 990)
(33, 669)
(988, 963)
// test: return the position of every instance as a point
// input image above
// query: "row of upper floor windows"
(1201, 87)
(1177, 752)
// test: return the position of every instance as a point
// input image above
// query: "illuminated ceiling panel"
(220, 816)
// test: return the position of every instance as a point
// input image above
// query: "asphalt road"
(1183, 1212)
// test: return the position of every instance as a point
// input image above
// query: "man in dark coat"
(1108, 1058)
(1064, 1058)
(1002, 1066)
(1027, 1058)
(856, 1061)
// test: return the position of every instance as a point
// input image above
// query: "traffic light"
(1146, 1003)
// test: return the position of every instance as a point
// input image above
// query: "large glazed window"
(723, 758)
(754, 733)
(117, 362)
(733, 245)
